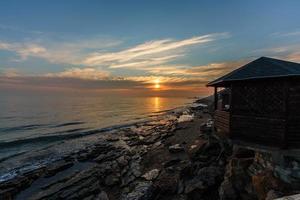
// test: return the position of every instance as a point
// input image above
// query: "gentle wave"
(24, 127)
(69, 124)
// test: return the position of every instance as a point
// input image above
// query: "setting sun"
(157, 85)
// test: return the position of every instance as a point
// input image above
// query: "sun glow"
(157, 84)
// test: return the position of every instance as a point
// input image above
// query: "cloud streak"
(72, 52)
(149, 53)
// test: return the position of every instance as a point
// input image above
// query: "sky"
(139, 47)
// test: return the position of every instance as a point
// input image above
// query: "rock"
(122, 161)
(17, 183)
(112, 138)
(181, 187)
(103, 196)
(171, 162)
(7, 193)
(205, 178)
(127, 179)
(262, 183)
(195, 183)
(227, 191)
(151, 175)
(111, 180)
(75, 186)
(57, 167)
(151, 139)
(157, 144)
(272, 194)
(210, 175)
(176, 148)
(167, 182)
(142, 191)
(108, 156)
(133, 171)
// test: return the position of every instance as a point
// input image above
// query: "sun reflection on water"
(156, 104)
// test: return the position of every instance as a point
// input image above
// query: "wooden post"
(230, 111)
(216, 98)
(286, 116)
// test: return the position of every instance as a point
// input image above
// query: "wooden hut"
(261, 104)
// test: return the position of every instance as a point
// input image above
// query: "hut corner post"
(216, 98)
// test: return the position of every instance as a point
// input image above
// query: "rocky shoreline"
(175, 158)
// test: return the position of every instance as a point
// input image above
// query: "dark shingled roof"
(261, 68)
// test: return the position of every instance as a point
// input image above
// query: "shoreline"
(9, 174)
(176, 156)
(131, 139)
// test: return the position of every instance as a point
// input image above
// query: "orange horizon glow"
(157, 84)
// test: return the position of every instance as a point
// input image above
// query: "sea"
(44, 122)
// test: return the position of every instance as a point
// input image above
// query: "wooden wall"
(293, 125)
(258, 112)
(222, 120)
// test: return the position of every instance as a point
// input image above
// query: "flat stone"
(151, 175)
(122, 161)
(111, 180)
(172, 162)
(195, 183)
(176, 148)
(57, 167)
(142, 191)
(103, 196)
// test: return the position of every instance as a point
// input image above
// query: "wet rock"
(111, 180)
(142, 191)
(167, 182)
(171, 162)
(227, 191)
(151, 175)
(102, 196)
(18, 183)
(131, 172)
(151, 139)
(237, 182)
(7, 193)
(210, 175)
(272, 194)
(76, 186)
(204, 179)
(57, 167)
(122, 161)
(112, 138)
(176, 148)
(108, 156)
(192, 184)
(262, 183)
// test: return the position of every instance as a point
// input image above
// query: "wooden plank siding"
(265, 112)
(293, 129)
(258, 112)
(222, 120)
(261, 130)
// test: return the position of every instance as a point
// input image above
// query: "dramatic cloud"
(151, 62)
(148, 54)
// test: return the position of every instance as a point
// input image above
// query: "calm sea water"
(32, 122)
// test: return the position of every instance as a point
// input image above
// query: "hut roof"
(260, 68)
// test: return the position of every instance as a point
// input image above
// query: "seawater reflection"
(24, 117)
